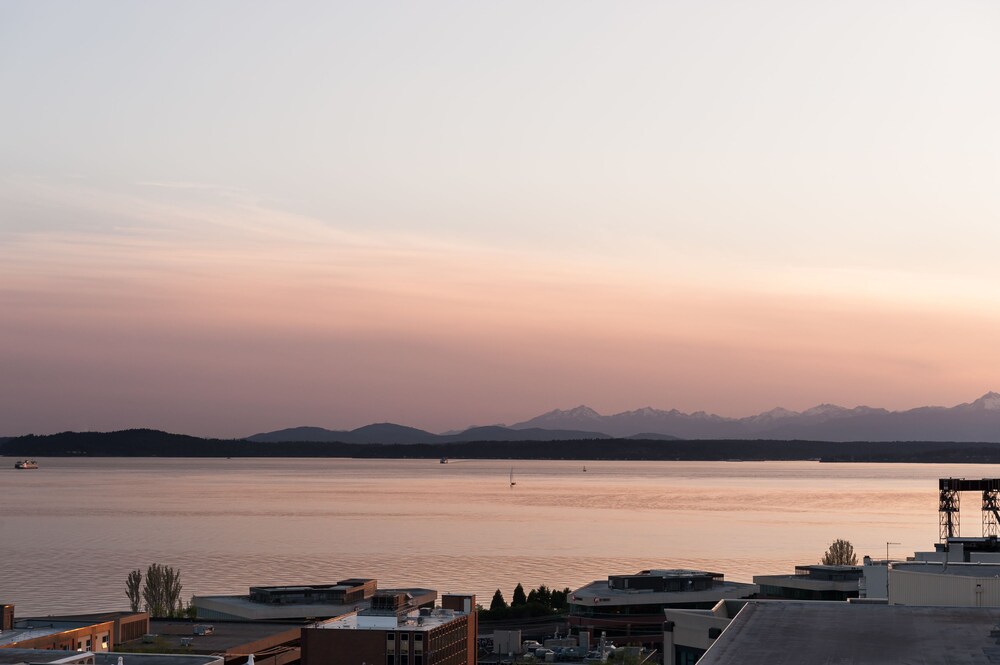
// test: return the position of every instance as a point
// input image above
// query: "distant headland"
(154, 443)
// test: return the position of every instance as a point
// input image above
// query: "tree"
(518, 599)
(559, 599)
(543, 595)
(132, 589)
(840, 553)
(162, 591)
(498, 604)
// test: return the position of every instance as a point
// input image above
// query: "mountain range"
(978, 420)
(392, 433)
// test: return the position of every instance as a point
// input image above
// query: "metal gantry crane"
(949, 504)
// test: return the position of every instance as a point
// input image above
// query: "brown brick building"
(82, 632)
(395, 632)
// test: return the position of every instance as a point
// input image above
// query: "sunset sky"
(221, 218)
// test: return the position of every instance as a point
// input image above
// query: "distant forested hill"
(150, 443)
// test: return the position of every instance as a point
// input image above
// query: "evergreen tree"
(560, 599)
(498, 604)
(543, 596)
(519, 599)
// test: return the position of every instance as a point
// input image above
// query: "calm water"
(71, 531)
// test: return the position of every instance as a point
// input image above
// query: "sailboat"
(512, 483)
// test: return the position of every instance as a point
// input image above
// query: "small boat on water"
(26, 464)
(512, 482)
(444, 460)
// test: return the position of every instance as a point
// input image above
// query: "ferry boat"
(26, 464)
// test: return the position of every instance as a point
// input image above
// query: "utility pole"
(887, 549)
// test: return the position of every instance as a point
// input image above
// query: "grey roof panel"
(793, 633)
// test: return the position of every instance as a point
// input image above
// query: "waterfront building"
(812, 582)
(343, 592)
(963, 550)
(395, 630)
(687, 634)
(944, 584)
(297, 602)
(271, 643)
(629, 608)
(791, 632)
(81, 632)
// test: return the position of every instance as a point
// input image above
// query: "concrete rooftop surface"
(814, 633)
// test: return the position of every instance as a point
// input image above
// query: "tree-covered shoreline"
(154, 443)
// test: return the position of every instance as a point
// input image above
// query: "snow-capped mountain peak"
(978, 420)
(777, 413)
(824, 410)
(988, 402)
(581, 412)
(644, 412)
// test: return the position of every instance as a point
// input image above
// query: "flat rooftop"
(35, 627)
(790, 633)
(956, 569)
(243, 607)
(111, 658)
(599, 593)
(341, 585)
(53, 657)
(226, 635)
(673, 573)
(806, 582)
(87, 619)
(21, 634)
(413, 621)
(39, 656)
